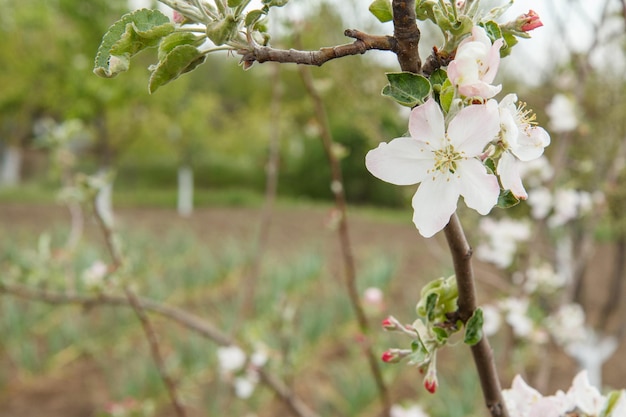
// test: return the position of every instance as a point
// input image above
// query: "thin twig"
(146, 324)
(182, 317)
(407, 35)
(363, 43)
(482, 352)
(337, 187)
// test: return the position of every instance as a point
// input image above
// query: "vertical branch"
(337, 188)
(481, 352)
(144, 320)
(407, 35)
(271, 185)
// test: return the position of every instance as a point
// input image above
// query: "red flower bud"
(389, 324)
(388, 356)
(430, 385)
(529, 21)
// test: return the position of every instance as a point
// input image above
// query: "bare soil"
(78, 389)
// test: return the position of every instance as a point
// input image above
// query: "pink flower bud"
(389, 324)
(529, 21)
(178, 17)
(394, 355)
(430, 381)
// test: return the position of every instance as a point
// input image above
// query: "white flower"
(516, 317)
(540, 201)
(522, 141)
(245, 385)
(543, 277)
(93, 277)
(562, 113)
(491, 320)
(231, 358)
(475, 65)
(503, 238)
(568, 205)
(585, 396)
(444, 162)
(411, 411)
(373, 297)
(567, 325)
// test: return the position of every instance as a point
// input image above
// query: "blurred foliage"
(215, 119)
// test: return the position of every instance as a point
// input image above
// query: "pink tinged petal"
(493, 61)
(531, 142)
(426, 124)
(433, 204)
(479, 89)
(510, 177)
(474, 127)
(479, 189)
(403, 161)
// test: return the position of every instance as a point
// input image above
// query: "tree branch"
(482, 352)
(407, 35)
(182, 317)
(363, 43)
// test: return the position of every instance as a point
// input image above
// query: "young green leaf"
(253, 16)
(175, 39)
(506, 199)
(381, 9)
(181, 59)
(128, 36)
(474, 328)
(431, 305)
(407, 88)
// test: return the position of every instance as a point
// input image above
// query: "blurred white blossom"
(544, 278)
(567, 325)
(540, 202)
(231, 358)
(503, 236)
(568, 205)
(515, 310)
(562, 113)
(492, 320)
(93, 277)
(411, 411)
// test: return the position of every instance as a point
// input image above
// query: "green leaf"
(253, 16)
(441, 334)
(506, 199)
(234, 3)
(493, 30)
(128, 36)
(446, 95)
(382, 10)
(431, 305)
(175, 39)
(491, 165)
(181, 59)
(407, 88)
(474, 328)
(222, 31)
(275, 3)
(438, 77)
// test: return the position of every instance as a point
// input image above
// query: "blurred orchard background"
(219, 189)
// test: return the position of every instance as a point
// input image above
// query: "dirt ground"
(77, 389)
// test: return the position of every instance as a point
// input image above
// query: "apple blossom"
(444, 162)
(562, 113)
(521, 140)
(231, 358)
(475, 65)
(503, 237)
(412, 411)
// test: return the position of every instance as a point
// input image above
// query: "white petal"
(530, 143)
(510, 177)
(403, 161)
(474, 127)
(433, 204)
(479, 189)
(426, 123)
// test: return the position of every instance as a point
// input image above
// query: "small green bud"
(220, 32)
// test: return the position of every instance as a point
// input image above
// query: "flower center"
(446, 159)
